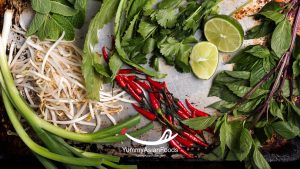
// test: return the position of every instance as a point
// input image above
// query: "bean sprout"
(49, 77)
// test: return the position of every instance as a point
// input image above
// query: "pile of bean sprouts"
(49, 77)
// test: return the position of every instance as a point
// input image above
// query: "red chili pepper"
(194, 114)
(176, 145)
(105, 55)
(132, 77)
(125, 71)
(189, 130)
(193, 138)
(144, 85)
(184, 141)
(135, 87)
(133, 94)
(182, 114)
(154, 102)
(194, 110)
(120, 81)
(182, 107)
(155, 84)
(144, 112)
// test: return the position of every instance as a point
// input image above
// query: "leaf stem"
(283, 67)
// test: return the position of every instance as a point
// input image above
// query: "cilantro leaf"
(146, 29)
(167, 17)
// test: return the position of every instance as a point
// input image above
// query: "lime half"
(225, 32)
(204, 59)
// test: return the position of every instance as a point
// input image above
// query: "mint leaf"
(259, 160)
(36, 23)
(41, 6)
(167, 17)
(62, 9)
(65, 25)
(281, 38)
(200, 123)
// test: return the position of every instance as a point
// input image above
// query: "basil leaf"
(242, 90)
(62, 9)
(41, 6)
(285, 130)
(268, 131)
(259, 51)
(221, 106)
(249, 106)
(223, 135)
(200, 123)
(281, 38)
(265, 28)
(233, 131)
(222, 91)
(36, 23)
(271, 6)
(274, 16)
(259, 160)
(239, 74)
(246, 142)
(257, 72)
(276, 110)
(293, 106)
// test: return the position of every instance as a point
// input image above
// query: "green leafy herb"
(281, 38)
(93, 80)
(200, 123)
(259, 160)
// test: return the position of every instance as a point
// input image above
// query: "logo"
(166, 137)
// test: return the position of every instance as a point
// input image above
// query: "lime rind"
(225, 32)
(204, 60)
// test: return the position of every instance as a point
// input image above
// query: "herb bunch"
(53, 17)
(144, 32)
(259, 97)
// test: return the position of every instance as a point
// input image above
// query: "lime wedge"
(225, 32)
(204, 59)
